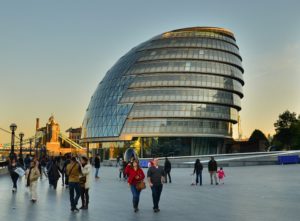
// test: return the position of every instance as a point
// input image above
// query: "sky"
(54, 53)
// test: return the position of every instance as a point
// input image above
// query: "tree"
(259, 139)
(287, 131)
(286, 119)
(257, 135)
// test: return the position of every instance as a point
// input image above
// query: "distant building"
(178, 93)
(74, 134)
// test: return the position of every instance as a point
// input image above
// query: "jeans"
(97, 171)
(74, 187)
(14, 178)
(135, 196)
(156, 192)
(84, 196)
(199, 178)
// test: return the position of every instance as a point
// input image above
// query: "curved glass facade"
(183, 85)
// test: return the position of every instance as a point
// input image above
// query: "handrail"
(71, 142)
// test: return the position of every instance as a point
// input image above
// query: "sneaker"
(33, 200)
(217, 183)
(136, 210)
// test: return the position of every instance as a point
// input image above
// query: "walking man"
(156, 179)
(212, 169)
(73, 172)
(167, 169)
(97, 165)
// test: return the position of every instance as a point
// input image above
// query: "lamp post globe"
(13, 128)
(21, 135)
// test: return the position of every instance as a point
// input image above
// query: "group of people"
(213, 172)
(75, 173)
(135, 178)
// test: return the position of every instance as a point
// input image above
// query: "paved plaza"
(249, 193)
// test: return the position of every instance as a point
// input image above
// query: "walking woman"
(85, 183)
(135, 175)
(198, 167)
(12, 166)
(32, 175)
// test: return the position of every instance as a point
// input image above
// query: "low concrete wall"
(225, 160)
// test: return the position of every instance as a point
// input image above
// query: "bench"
(288, 159)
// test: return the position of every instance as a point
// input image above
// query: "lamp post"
(13, 128)
(21, 135)
(30, 142)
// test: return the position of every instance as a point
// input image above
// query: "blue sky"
(54, 53)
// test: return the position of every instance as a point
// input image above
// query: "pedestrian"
(12, 166)
(167, 169)
(73, 172)
(53, 172)
(66, 163)
(121, 168)
(212, 169)
(61, 166)
(198, 167)
(156, 176)
(135, 176)
(32, 175)
(97, 165)
(27, 161)
(43, 166)
(84, 180)
(221, 175)
(124, 170)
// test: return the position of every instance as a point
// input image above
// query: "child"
(221, 175)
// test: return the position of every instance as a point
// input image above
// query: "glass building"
(178, 93)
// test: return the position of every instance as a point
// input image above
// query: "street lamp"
(21, 135)
(13, 128)
(30, 142)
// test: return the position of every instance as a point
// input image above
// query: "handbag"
(140, 185)
(20, 171)
(82, 180)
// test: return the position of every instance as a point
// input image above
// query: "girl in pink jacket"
(221, 175)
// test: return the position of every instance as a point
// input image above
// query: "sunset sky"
(54, 53)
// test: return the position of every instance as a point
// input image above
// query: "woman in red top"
(135, 175)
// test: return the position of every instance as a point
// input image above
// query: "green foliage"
(287, 131)
(286, 119)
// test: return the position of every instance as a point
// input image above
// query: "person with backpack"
(73, 172)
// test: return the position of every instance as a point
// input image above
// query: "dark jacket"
(97, 162)
(53, 171)
(198, 167)
(167, 166)
(212, 165)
